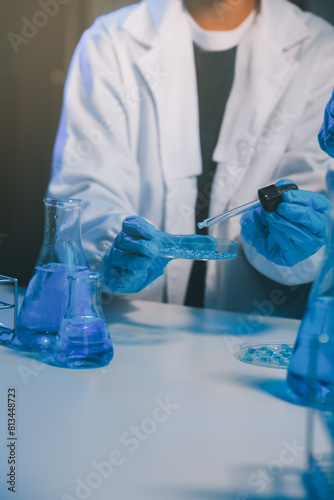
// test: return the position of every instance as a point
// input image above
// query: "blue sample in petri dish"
(273, 355)
(197, 247)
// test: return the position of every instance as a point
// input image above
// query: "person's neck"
(219, 15)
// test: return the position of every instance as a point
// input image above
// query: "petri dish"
(273, 355)
(198, 248)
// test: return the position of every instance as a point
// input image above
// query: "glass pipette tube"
(269, 198)
(230, 213)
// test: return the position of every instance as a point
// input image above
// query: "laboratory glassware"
(197, 248)
(47, 294)
(7, 333)
(320, 435)
(275, 354)
(269, 198)
(83, 340)
(317, 324)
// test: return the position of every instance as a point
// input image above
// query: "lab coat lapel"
(173, 89)
(265, 65)
(170, 54)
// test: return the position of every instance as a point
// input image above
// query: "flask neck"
(330, 226)
(62, 234)
(323, 287)
(330, 235)
(84, 296)
(61, 221)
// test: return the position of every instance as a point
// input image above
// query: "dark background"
(31, 87)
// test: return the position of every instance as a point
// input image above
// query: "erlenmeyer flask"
(47, 294)
(310, 354)
(83, 340)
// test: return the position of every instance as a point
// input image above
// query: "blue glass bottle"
(311, 369)
(46, 297)
(83, 340)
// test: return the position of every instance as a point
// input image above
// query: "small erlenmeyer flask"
(47, 294)
(317, 324)
(83, 340)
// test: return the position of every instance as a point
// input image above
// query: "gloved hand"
(326, 134)
(294, 232)
(133, 261)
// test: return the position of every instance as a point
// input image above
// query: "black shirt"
(215, 73)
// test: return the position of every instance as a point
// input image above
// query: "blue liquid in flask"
(84, 343)
(312, 356)
(47, 295)
(44, 306)
(83, 340)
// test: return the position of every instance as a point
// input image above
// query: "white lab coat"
(128, 141)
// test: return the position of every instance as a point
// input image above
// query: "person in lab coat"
(136, 137)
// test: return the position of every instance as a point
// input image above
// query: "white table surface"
(228, 436)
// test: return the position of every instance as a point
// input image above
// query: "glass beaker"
(7, 333)
(317, 323)
(47, 294)
(83, 340)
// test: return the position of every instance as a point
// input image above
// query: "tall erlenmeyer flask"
(47, 295)
(317, 323)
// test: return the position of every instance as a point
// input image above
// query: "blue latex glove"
(133, 261)
(294, 232)
(326, 134)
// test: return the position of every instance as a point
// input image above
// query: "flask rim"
(64, 202)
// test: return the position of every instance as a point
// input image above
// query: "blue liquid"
(319, 319)
(83, 343)
(272, 355)
(184, 253)
(44, 306)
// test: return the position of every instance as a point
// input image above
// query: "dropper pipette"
(230, 213)
(269, 198)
